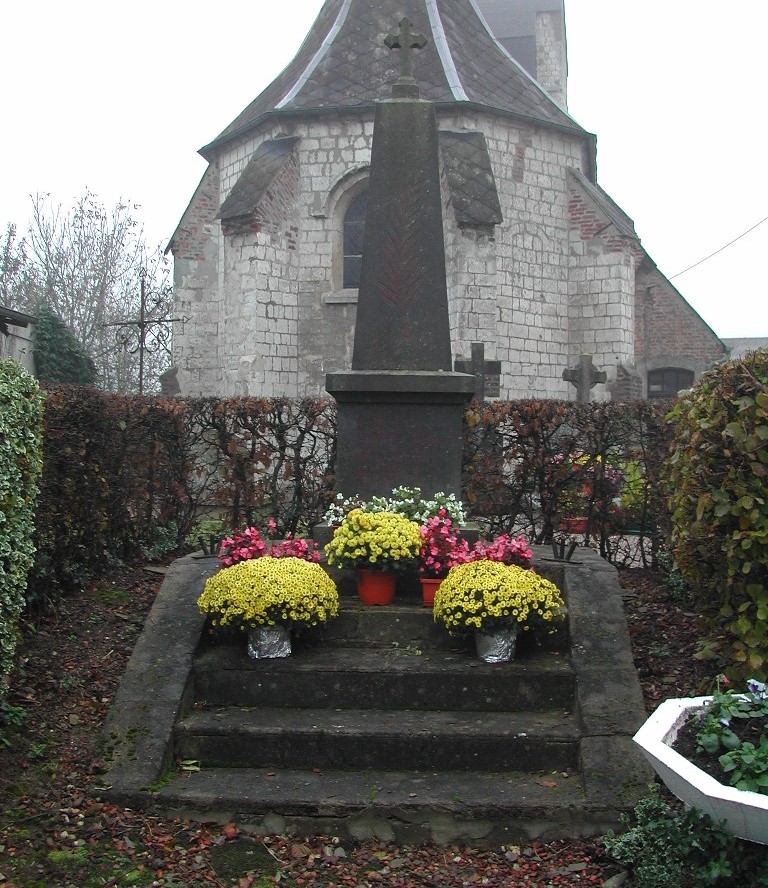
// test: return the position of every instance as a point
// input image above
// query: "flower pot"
(574, 524)
(376, 587)
(496, 645)
(269, 642)
(429, 586)
(743, 813)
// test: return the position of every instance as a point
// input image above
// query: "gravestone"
(584, 376)
(400, 407)
(487, 373)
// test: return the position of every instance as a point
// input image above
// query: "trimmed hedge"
(717, 479)
(124, 473)
(20, 462)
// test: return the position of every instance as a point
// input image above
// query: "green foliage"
(717, 479)
(668, 849)
(59, 356)
(207, 534)
(163, 538)
(112, 475)
(20, 463)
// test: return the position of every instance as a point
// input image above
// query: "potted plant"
(247, 544)
(494, 601)
(712, 753)
(441, 549)
(377, 545)
(590, 493)
(268, 597)
(504, 548)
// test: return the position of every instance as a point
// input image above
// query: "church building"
(542, 266)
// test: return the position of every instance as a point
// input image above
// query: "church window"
(354, 230)
(668, 381)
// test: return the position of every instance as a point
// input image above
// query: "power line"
(724, 247)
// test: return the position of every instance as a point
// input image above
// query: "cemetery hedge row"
(121, 472)
(717, 477)
(21, 406)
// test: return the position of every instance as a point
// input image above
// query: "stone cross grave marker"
(487, 373)
(584, 376)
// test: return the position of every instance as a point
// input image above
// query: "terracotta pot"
(429, 586)
(376, 587)
(574, 524)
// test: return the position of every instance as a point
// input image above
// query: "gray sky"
(117, 98)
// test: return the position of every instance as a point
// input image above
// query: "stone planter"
(744, 814)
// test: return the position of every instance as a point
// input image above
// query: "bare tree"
(90, 265)
(18, 287)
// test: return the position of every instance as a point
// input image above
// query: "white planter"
(744, 814)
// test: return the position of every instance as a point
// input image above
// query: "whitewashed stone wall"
(267, 312)
(530, 167)
(551, 55)
(17, 346)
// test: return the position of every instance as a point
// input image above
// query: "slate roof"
(343, 64)
(739, 346)
(474, 197)
(249, 189)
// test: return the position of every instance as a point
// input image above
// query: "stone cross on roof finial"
(406, 41)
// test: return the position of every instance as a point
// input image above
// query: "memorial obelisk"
(400, 407)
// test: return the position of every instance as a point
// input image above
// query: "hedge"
(120, 470)
(20, 462)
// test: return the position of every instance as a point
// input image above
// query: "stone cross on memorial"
(406, 41)
(401, 405)
(584, 376)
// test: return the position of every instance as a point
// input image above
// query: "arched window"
(354, 230)
(668, 381)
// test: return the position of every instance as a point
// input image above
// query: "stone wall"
(17, 346)
(266, 313)
(551, 55)
(195, 245)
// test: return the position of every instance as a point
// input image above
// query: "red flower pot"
(429, 586)
(376, 587)
(574, 525)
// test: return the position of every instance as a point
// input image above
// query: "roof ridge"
(318, 56)
(444, 52)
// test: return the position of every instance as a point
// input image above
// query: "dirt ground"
(56, 833)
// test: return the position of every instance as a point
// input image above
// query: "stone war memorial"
(386, 727)
(401, 405)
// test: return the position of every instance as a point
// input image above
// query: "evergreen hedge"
(21, 407)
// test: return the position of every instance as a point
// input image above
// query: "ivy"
(20, 465)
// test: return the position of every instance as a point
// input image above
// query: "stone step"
(364, 739)
(406, 677)
(405, 807)
(405, 623)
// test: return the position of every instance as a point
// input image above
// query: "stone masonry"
(558, 271)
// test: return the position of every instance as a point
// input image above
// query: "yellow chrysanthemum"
(381, 539)
(483, 593)
(265, 591)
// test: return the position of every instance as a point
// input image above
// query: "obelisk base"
(399, 428)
